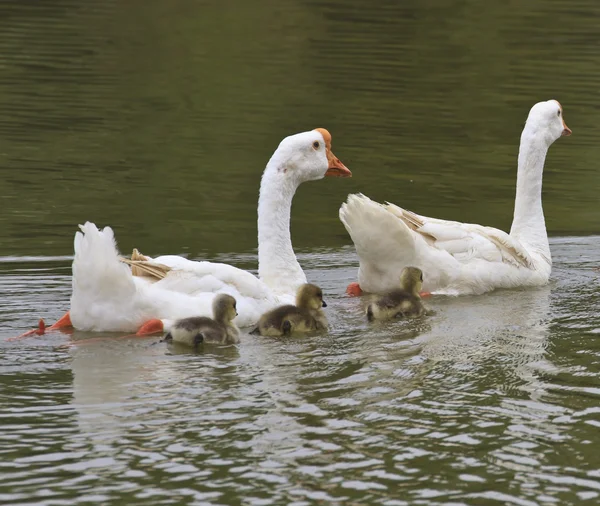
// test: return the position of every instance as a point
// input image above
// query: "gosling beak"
(336, 168)
(324, 304)
(566, 131)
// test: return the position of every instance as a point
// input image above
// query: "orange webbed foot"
(354, 290)
(40, 330)
(154, 326)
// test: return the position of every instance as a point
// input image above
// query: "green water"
(158, 118)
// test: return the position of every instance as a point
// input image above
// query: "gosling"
(196, 330)
(306, 316)
(402, 302)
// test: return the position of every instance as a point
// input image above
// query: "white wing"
(107, 297)
(455, 257)
(465, 241)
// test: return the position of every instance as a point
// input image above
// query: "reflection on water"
(492, 398)
(158, 118)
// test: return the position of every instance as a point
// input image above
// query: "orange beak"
(336, 168)
(566, 130)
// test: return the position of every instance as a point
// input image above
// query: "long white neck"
(277, 263)
(529, 226)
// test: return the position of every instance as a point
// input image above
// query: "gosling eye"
(316, 144)
(558, 113)
(421, 278)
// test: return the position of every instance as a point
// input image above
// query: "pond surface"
(158, 118)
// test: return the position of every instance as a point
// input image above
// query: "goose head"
(546, 120)
(307, 156)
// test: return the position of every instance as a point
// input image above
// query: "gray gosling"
(306, 316)
(402, 302)
(196, 330)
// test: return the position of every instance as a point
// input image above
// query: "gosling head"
(546, 119)
(224, 308)
(310, 296)
(411, 280)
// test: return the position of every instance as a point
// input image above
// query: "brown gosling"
(306, 316)
(196, 330)
(402, 302)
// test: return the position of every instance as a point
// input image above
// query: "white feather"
(461, 258)
(107, 297)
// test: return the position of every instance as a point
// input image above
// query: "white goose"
(107, 297)
(461, 258)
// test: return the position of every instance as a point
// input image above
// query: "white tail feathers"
(380, 237)
(99, 277)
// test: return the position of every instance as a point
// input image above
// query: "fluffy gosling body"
(196, 330)
(306, 316)
(402, 302)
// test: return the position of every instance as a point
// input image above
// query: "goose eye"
(316, 144)
(558, 113)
